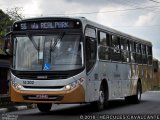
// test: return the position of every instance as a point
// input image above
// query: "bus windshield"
(57, 52)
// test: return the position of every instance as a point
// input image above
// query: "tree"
(15, 13)
(5, 21)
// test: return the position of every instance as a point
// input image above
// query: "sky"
(140, 18)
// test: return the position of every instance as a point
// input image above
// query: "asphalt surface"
(149, 108)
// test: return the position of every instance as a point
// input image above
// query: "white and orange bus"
(58, 60)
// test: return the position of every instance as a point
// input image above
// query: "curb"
(17, 108)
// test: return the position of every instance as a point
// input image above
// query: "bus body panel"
(76, 95)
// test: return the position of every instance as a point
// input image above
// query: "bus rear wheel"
(135, 99)
(44, 107)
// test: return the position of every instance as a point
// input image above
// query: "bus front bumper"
(75, 95)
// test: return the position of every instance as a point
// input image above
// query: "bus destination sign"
(22, 26)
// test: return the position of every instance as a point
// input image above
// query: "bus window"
(124, 44)
(104, 53)
(149, 50)
(144, 55)
(132, 52)
(138, 53)
(149, 54)
(155, 65)
(103, 40)
(115, 51)
(103, 48)
(90, 32)
(124, 50)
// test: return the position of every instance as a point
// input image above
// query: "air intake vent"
(43, 77)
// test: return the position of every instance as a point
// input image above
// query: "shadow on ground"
(85, 109)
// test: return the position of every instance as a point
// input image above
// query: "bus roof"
(86, 21)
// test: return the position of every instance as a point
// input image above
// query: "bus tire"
(135, 99)
(100, 104)
(44, 107)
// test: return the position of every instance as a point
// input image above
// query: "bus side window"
(155, 65)
(115, 51)
(125, 50)
(102, 38)
(103, 46)
(91, 50)
(144, 55)
(132, 52)
(138, 53)
(149, 55)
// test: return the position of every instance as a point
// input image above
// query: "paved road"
(150, 105)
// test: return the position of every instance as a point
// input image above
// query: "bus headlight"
(16, 85)
(74, 84)
(68, 87)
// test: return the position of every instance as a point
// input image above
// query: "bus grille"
(43, 77)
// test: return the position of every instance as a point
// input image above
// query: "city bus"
(68, 60)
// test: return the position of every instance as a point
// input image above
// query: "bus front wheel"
(44, 107)
(100, 104)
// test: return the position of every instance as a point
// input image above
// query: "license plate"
(42, 96)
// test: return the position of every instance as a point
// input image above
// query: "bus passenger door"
(91, 70)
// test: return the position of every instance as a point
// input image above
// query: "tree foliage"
(15, 13)
(5, 21)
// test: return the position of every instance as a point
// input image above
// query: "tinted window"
(91, 50)
(138, 53)
(124, 44)
(115, 42)
(103, 40)
(104, 53)
(149, 54)
(90, 32)
(132, 52)
(144, 55)
(115, 50)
